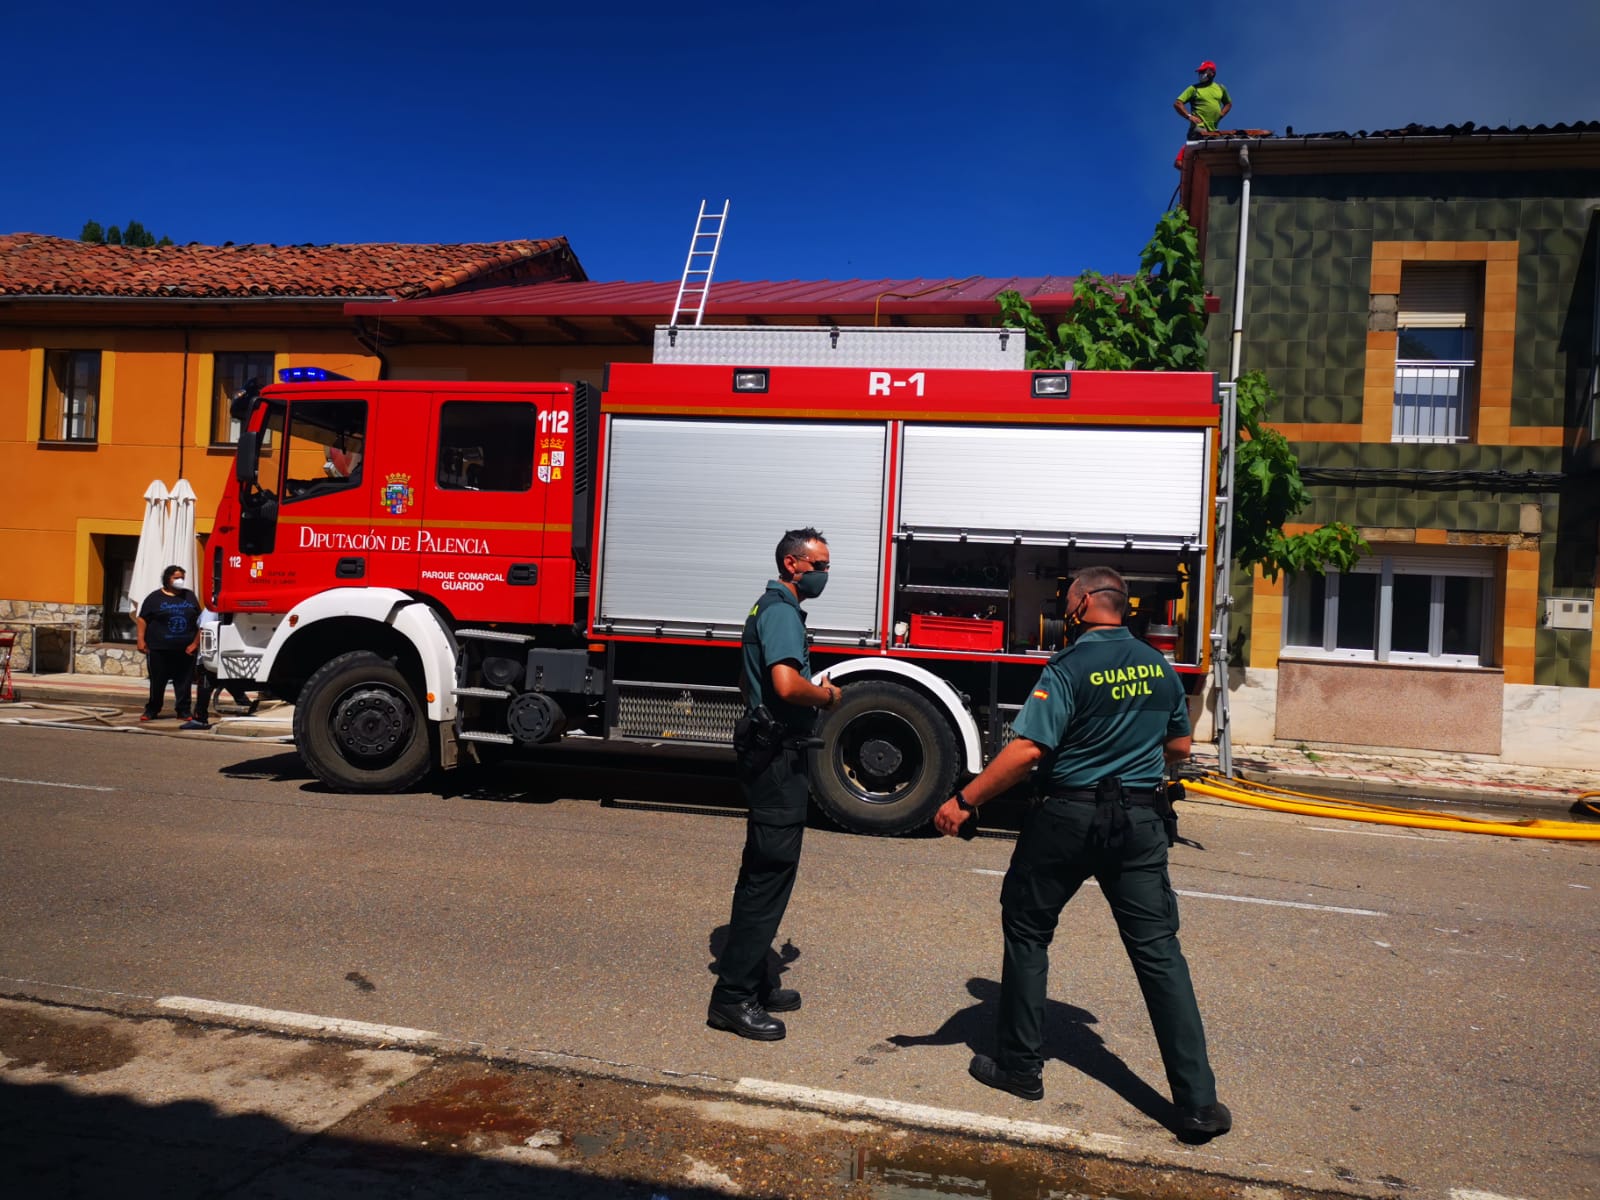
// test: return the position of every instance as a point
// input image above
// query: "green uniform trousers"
(1054, 854)
(777, 795)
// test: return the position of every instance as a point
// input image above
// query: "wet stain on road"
(604, 1129)
(480, 1108)
(331, 1062)
(363, 984)
(61, 1045)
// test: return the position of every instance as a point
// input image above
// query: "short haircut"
(174, 569)
(1099, 579)
(794, 542)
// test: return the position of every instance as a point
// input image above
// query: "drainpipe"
(1238, 282)
(183, 401)
(1222, 621)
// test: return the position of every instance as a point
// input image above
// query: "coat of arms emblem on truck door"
(397, 494)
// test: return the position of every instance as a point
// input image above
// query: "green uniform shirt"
(1104, 707)
(779, 636)
(1207, 103)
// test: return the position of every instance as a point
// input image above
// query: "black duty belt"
(1138, 797)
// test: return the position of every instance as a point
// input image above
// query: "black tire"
(888, 759)
(359, 727)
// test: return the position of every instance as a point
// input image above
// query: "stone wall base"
(1539, 726)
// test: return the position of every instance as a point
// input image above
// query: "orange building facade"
(116, 368)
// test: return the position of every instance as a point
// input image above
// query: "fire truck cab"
(436, 571)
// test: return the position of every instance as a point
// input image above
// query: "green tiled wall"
(1307, 281)
(1309, 268)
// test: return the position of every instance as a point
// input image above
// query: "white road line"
(929, 1117)
(77, 787)
(297, 1020)
(1414, 837)
(1333, 908)
(1475, 1194)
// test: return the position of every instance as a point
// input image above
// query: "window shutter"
(1421, 562)
(1438, 297)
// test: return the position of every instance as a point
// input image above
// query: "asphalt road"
(1390, 1011)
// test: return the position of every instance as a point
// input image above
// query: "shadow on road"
(1068, 1036)
(682, 778)
(56, 1142)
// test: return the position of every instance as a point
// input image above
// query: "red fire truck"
(443, 572)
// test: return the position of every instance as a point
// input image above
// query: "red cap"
(1208, 65)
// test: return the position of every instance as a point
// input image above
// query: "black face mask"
(1074, 625)
(810, 584)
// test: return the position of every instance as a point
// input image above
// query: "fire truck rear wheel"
(888, 759)
(359, 727)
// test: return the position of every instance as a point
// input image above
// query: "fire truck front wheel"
(359, 727)
(888, 759)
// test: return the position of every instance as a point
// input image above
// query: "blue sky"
(863, 140)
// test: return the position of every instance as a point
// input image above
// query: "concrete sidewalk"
(1311, 769)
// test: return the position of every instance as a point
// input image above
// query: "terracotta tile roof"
(36, 265)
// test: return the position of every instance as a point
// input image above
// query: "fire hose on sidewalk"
(1262, 795)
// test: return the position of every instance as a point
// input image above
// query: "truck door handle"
(351, 568)
(523, 574)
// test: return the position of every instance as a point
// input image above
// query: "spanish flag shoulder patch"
(1040, 694)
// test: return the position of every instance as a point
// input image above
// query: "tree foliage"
(1156, 322)
(1267, 492)
(134, 235)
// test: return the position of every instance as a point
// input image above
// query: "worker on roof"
(1205, 103)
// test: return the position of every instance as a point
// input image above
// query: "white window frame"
(1386, 567)
(1436, 306)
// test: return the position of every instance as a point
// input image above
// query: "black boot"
(991, 1074)
(780, 999)
(746, 1018)
(1201, 1123)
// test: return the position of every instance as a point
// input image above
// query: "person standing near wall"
(206, 684)
(169, 634)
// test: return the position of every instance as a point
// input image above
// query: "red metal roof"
(799, 298)
(33, 264)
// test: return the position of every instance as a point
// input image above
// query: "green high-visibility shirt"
(1104, 707)
(1208, 102)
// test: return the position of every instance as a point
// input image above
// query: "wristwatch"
(961, 802)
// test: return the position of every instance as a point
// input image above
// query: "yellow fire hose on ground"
(1262, 795)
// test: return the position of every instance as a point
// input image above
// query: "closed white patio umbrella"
(180, 533)
(151, 557)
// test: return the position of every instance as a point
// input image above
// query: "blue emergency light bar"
(308, 375)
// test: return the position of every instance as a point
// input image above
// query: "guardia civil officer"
(770, 747)
(1105, 717)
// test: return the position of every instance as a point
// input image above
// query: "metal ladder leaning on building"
(695, 285)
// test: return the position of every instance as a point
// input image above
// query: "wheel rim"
(372, 724)
(879, 757)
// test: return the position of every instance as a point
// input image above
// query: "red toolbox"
(956, 633)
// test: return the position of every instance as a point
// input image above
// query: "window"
(326, 444)
(118, 603)
(1409, 607)
(486, 447)
(1435, 376)
(71, 396)
(232, 372)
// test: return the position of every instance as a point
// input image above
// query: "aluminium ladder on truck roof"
(695, 285)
